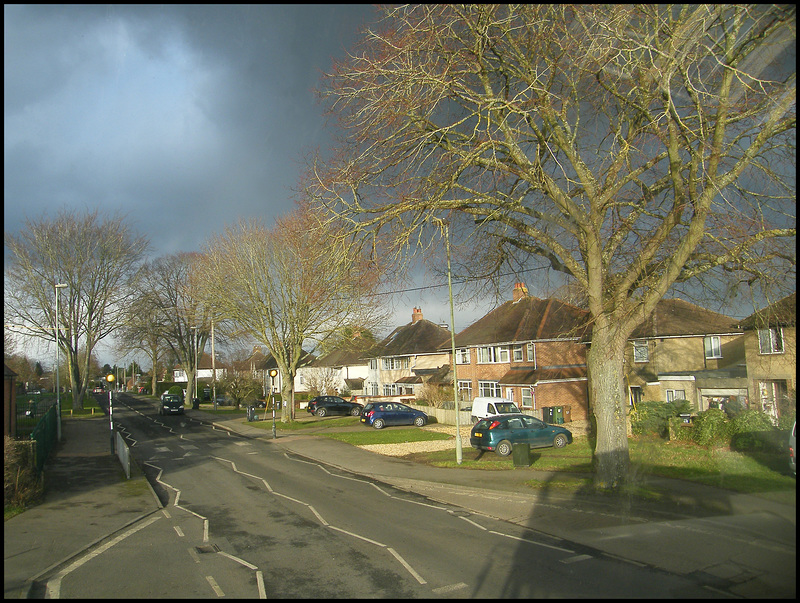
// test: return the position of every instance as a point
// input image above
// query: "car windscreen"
(504, 407)
(484, 423)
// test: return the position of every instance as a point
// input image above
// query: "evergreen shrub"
(653, 417)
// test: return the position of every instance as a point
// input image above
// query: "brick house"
(529, 350)
(401, 363)
(770, 347)
(685, 352)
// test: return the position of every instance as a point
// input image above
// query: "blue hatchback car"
(381, 414)
(501, 432)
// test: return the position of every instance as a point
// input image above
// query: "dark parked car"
(170, 404)
(501, 432)
(333, 405)
(381, 414)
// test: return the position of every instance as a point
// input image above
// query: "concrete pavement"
(680, 533)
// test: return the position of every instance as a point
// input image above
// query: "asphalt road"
(244, 519)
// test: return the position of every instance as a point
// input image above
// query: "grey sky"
(183, 118)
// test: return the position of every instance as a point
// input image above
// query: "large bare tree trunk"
(609, 405)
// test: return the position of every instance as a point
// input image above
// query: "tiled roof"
(349, 355)
(258, 361)
(782, 313)
(529, 376)
(674, 317)
(528, 319)
(418, 337)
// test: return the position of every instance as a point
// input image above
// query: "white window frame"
(493, 354)
(490, 389)
(775, 343)
(393, 363)
(527, 400)
(462, 355)
(676, 394)
(638, 346)
(712, 345)
(465, 389)
(517, 354)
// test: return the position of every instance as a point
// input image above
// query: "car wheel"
(321, 412)
(419, 421)
(503, 448)
(560, 441)
(378, 423)
(356, 411)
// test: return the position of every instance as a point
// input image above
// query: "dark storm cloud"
(185, 118)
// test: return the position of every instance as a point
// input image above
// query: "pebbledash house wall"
(673, 354)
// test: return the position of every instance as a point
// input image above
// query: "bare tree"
(635, 149)
(178, 309)
(239, 386)
(321, 380)
(289, 286)
(98, 258)
(143, 329)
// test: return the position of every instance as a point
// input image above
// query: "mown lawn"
(761, 473)
(747, 472)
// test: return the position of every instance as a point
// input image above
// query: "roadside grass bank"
(753, 472)
(759, 473)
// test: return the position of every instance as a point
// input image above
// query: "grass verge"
(759, 473)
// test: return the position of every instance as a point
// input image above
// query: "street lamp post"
(194, 381)
(110, 379)
(58, 361)
(213, 368)
(459, 454)
(272, 374)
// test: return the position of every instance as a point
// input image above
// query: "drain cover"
(207, 548)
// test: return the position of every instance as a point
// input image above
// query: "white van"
(483, 407)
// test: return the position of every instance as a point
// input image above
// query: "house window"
(373, 364)
(517, 353)
(636, 395)
(462, 356)
(390, 389)
(676, 394)
(390, 364)
(492, 355)
(641, 353)
(465, 390)
(489, 389)
(770, 341)
(713, 347)
(532, 353)
(527, 397)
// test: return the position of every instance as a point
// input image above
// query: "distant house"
(686, 352)
(403, 361)
(529, 350)
(344, 369)
(258, 365)
(204, 370)
(770, 344)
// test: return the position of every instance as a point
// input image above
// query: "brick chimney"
(520, 291)
(416, 315)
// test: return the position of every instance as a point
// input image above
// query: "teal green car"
(501, 432)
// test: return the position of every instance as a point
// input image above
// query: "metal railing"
(45, 434)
